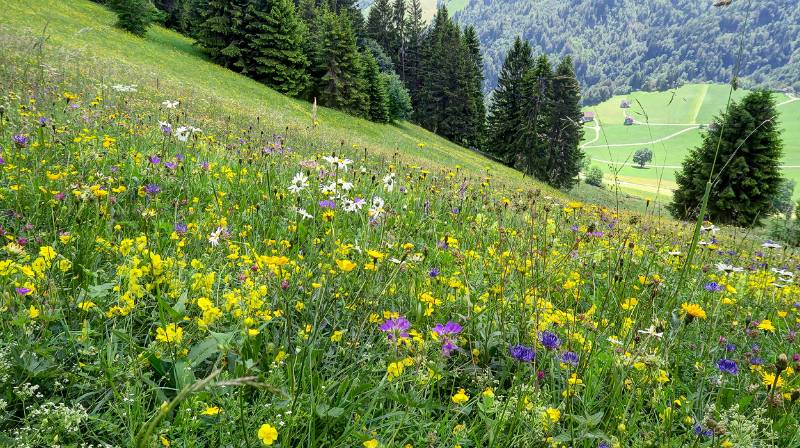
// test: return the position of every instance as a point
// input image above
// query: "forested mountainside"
(623, 45)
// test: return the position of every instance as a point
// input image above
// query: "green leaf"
(208, 347)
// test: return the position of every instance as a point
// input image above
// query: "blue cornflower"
(728, 366)
(522, 353)
(549, 340)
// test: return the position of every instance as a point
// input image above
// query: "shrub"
(134, 16)
(594, 176)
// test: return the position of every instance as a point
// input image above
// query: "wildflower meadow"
(173, 275)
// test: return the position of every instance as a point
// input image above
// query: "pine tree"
(475, 113)
(506, 111)
(175, 13)
(376, 89)
(221, 32)
(531, 143)
(566, 128)
(134, 16)
(341, 84)
(746, 169)
(379, 24)
(275, 44)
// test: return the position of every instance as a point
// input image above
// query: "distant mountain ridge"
(624, 45)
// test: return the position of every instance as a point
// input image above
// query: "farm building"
(624, 104)
(588, 117)
(628, 121)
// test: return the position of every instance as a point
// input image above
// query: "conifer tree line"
(535, 120)
(394, 66)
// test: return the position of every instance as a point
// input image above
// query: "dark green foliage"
(673, 42)
(379, 24)
(375, 89)
(566, 128)
(399, 99)
(340, 84)
(220, 31)
(275, 40)
(384, 61)
(176, 13)
(398, 42)
(506, 110)
(411, 71)
(446, 101)
(134, 16)
(747, 175)
(642, 157)
(472, 74)
(531, 143)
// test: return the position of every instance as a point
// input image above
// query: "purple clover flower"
(522, 353)
(549, 340)
(728, 366)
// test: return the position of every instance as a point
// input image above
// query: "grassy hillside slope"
(170, 61)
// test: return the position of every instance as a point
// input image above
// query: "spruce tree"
(506, 110)
(341, 83)
(531, 143)
(221, 33)
(379, 24)
(439, 102)
(414, 30)
(475, 113)
(399, 97)
(566, 128)
(398, 37)
(744, 150)
(275, 44)
(134, 16)
(376, 89)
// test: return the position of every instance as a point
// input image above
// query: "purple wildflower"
(396, 328)
(450, 328)
(730, 348)
(522, 353)
(434, 272)
(728, 366)
(171, 165)
(181, 228)
(700, 432)
(713, 287)
(2, 160)
(570, 358)
(180, 157)
(23, 291)
(152, 189)
(327, 203)
(154, 159)
(549, 340)
(20, 140)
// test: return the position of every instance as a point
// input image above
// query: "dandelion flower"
(460, 397)
(693, 310)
